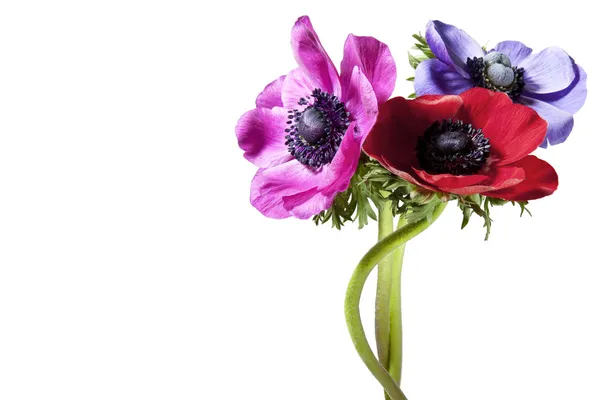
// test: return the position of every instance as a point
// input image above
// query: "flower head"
(475, 143)
(549, 81)
(307, 129)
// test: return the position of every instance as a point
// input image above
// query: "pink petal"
(271, 95)
(293, 189)
(296, 85)
(361, 102)
(308, 204)
(332, 179)
(270, 185)
(374, 60)
(261, 134)
(312, 57)
(336, 175)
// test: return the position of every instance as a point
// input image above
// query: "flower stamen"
(315, 133)
(451, 147)
(495, 72)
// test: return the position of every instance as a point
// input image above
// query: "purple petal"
(436, 44)
(271, 95)
(560, 123)
(374, 60)
(572, 98)
(459, 45)
(361, 103)
(435, 77)
(548, 71)
(296, 85)
(312, 57)
(516, 51)
(261, 134)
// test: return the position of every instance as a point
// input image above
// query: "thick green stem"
(395, 354)
(354, 291)
(384, 288)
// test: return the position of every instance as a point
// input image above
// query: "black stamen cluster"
(478, 71)
(451, 147)
(315, 133)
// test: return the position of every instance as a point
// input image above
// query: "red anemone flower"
(477, 142)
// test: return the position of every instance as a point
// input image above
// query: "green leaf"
(523, 205)
(419, 38)
(413, 61)
(466, 216)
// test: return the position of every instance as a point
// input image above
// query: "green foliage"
(423, 52)
(372, 185)
(481, 205)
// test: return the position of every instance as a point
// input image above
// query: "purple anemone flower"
(308, 127)
(549, 81)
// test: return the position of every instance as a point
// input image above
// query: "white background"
(132, 265)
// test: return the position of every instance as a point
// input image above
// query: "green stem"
(384, 288)
(354, 291)
(395, 354)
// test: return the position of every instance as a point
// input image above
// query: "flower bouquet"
(333, 146)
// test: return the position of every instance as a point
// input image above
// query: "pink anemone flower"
(308, 127)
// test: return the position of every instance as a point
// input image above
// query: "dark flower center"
(451, 147)
(495, 72)
(315, 133)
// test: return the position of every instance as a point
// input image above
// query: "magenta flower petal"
(435, 77)
(271, 95)
(296, 85)
(306, 204)
(271, 185)
(361, 102)
(560, 123)
(374, 60)
(261, 134)
(312, 57)
(516, 51)
(336, 176)
(436, 44)
(459, 45)
(548, 71)
(291, 189)
(305, 134)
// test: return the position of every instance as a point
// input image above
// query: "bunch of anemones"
(333, 146)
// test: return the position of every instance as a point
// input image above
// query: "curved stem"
(354, 291)
(384, 288)
(395, 355)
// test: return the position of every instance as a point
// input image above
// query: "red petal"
(399, 124)
(497, 178)
(480, 104)
(514, 130)
(540, 180)
(408, 175)
(449, 181)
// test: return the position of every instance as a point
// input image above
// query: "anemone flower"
(307, 129)
(549, 81)
(475, 143)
